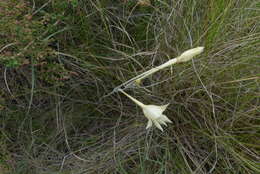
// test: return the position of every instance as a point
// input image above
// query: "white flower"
(189, 54)
(153, 113)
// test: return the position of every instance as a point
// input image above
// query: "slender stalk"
(147, 73)
(153, 70)
(133, 99)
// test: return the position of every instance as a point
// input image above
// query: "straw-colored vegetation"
(61, 59)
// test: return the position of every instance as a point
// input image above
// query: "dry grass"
(56, 116)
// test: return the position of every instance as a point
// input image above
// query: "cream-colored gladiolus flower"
(153, 113)
(189, 54)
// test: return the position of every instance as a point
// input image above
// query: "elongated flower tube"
(184, 57)
(153, 113)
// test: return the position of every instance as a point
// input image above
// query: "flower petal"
(153, 111)
(163, 107)
(160, 121)
(149, 124)
(158, 125)
(165, 119)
